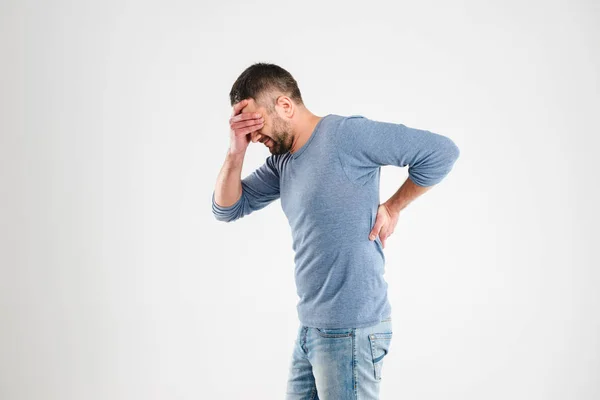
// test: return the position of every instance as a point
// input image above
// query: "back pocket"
(380, 347)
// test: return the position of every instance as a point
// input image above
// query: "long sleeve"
(364, 145)
(259, 189)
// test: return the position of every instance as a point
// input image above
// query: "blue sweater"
(329, 191)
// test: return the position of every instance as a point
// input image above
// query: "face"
(276, 132)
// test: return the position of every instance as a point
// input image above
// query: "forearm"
(405, 195)
(228, 189)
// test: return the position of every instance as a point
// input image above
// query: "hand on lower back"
(384, 224)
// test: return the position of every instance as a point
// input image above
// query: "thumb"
(256, 136)
(375, 231)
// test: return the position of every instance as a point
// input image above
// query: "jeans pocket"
(380, 347)
(334, 332)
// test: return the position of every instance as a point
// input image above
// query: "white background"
(116, 281)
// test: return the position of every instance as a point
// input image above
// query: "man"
(326, 170)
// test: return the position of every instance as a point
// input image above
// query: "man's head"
(273, 92)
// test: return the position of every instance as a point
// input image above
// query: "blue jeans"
(340, 363)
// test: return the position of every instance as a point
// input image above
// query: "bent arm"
(228, 188)
(234, 198)
(366, 145)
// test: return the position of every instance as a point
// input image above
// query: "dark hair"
(259, 79)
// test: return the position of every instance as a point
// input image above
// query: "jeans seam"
(313, 393)
(354, 362)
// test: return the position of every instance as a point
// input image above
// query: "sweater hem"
(317, 324)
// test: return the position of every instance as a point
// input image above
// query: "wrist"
(392, 208)
(235, 158)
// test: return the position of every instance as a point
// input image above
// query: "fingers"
(375, 231)
(248, 121)
(238, 106)
(244, 117)
(244, 123)
(248, 129)
(384, 235)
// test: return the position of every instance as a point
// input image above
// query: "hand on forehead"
(252, 106)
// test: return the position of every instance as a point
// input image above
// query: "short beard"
(281, 136)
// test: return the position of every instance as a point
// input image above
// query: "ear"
(286, 104)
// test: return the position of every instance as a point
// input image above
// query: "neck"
(304, 128)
